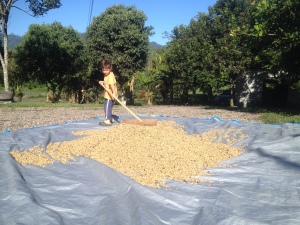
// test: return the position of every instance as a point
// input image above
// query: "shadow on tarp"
(263, 188)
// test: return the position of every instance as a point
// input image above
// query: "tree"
(276, 28)
(233, 52)
(18, 79)
(156, 75)
(120, 35)
(160, 71)
(36, 7)
(181, 57)
(52, 55)
(190, 56)
(204, 54)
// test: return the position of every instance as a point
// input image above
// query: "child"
(110, 83)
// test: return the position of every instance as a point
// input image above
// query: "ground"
(14, 118)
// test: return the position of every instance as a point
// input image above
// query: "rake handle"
(121, 103)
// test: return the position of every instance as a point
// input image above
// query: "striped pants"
(108, 105)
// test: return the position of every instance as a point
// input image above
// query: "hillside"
(154, 45)
(13, 40)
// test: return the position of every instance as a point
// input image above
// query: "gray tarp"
(263, 189)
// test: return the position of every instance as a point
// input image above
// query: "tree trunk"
(185, 94)
(4, 59)
(209, 94)
(149, 99)
(232, 94)
(172, 92)
(131, 91)
(5, 70)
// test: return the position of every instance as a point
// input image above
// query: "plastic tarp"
(264, 188)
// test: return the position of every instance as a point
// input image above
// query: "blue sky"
(163, 15)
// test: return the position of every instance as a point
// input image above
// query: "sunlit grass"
(279, 116)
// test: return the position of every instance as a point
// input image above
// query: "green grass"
(268, 115)
(275, 116)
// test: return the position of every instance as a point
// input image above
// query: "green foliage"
(52, 55)
(276, 28)
(159, 74)
(120, 35)
(18, 90)
(178, 58)
(211, 53)
(191, 57)
(37, 7)
(16, 39)
(233, 55)
(18, 79)
(40, 7)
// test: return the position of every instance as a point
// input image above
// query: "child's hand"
(101, 82)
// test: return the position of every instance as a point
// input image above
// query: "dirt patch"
(147, 154)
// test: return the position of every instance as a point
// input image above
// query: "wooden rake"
(138, 121)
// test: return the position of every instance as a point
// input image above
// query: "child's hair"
(105, 64)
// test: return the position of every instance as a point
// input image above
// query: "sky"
(163, 15)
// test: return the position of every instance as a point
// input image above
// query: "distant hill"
(154, 45)
(13, 40)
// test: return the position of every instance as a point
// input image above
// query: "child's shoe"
(112, 120)
(105, 123)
